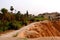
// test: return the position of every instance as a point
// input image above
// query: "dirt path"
(41, 38)
(14, 32)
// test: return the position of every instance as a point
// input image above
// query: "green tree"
(18, 16)
(4, 13)
(4, 10)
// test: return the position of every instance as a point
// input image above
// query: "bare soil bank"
(41, 29)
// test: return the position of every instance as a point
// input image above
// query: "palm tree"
(19, 12)
(11, 8)
(27, 13)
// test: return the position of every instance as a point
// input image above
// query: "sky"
(33, 6)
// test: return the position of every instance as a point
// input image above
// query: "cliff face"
(41, 29)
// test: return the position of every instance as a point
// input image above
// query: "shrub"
(4, 28)
(15, 25)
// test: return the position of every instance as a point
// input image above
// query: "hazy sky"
(33, 6)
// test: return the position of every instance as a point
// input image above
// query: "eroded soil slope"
(41, 29)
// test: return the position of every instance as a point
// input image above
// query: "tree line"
(14, 21)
